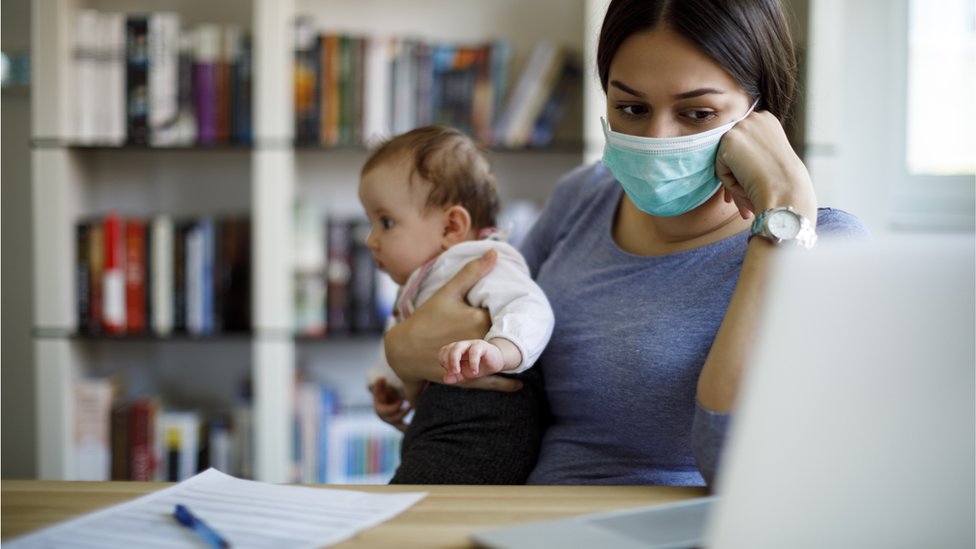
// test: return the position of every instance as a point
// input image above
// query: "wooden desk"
(443, 519)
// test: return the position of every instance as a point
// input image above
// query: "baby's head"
(424, 191)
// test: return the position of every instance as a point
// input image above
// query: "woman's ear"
(457, 225)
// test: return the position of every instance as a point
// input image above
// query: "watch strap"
(806, 237)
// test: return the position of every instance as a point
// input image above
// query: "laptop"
(856, 424)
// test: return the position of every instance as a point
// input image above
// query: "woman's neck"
(641, 234)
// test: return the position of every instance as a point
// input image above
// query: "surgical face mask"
(666, 176)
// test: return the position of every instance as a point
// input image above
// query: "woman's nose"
(660, 125)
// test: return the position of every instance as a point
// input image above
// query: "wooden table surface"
(443, 519)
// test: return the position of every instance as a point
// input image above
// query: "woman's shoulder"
(583, 181)
(834, 222)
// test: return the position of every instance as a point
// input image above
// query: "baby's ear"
(457, 225)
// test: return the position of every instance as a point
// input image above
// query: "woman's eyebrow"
(697, 93)
(627, 89)
(678, 96)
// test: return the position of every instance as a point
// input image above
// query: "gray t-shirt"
(630, 340)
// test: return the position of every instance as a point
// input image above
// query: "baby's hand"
(470, 359)
(389, 404)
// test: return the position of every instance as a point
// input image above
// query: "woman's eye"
(699, 115)
(633, 110)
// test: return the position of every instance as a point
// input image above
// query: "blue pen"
(208, 534)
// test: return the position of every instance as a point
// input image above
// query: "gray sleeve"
(708, 433)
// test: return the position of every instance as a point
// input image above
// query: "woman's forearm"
(718, 384)
(412, 345)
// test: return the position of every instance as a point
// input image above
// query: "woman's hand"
(389, 404)
(412, 346)
(760, 170)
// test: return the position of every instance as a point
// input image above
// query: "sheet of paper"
(249, 514)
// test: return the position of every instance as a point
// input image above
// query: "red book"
(142, 460)
(135, 276)
(113, 277)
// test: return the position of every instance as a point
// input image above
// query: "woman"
(654, 259)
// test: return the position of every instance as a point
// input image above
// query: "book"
(96, 257)
(163, 78)
(309, 253)
(218, 447)
(181, 233)
(200, 277)
(376, 89)
(185, 130)
(546, 124)
(111, 103)
(338, 273)
(232, 272)
(230, 37)
(136, 276)
(330, 98)
(205, 59)
(404, 84)
(113, 276)
(137, 79)
(305, 74)
(119, 434)
(180, 431)
(529, 95)
(83, 276)
(162, 261)
(142, 439)
(87, 63)
(242, 90)
(308, 412)
(92, 409)
(363, 311)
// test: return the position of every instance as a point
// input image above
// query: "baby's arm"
(474, 358)
(522, 319)
(392, 397)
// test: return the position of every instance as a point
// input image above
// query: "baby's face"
(403, 235)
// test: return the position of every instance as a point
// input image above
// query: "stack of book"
(158, 276)
(354, 90)
(142, 79)
(140, 438)
(336, 445)
(338, 289)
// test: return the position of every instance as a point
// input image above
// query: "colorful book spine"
(113, 278)
(363, 317)
(242, 87)
(206, 58)
(161, 253)
(142, 441)
(83, 276)
(338, 276)
(163, 78)
(137, 79)
(135, 276)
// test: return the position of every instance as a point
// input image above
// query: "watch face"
(783, 224)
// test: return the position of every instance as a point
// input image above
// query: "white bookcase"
(70, 182)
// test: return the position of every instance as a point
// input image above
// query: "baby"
(432, 200)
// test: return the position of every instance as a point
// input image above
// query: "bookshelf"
(73, 180)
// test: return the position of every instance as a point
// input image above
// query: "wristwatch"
(784, 225)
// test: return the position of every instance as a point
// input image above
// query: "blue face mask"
(666, 176)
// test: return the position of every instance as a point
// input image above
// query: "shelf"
(248, 336)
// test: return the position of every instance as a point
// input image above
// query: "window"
(941, 129)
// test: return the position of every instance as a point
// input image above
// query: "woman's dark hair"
(749, 38)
